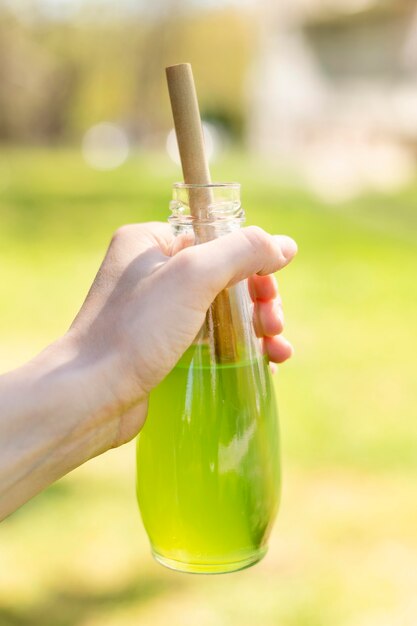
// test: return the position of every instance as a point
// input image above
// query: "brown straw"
(196, 171)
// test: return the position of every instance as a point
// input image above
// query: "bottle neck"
(208, 211)
(204, 231)
(200, 213)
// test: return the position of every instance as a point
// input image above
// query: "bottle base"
(210, 568)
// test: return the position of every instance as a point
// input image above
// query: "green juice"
(208, 471)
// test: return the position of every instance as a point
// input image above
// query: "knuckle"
(256, 235)
(186, 263)
(194, 276)
(260, 240)
(122, 232)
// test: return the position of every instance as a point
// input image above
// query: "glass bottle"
(208, 468)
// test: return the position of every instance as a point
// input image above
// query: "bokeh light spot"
(212, 140)
(105, 146)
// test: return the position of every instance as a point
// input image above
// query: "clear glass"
(208, 463)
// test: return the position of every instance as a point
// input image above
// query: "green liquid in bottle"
(208, 473)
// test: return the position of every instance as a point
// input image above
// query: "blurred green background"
(344, 549)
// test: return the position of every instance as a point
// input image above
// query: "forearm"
(88, 392)
(50, 422)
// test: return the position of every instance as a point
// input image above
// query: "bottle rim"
(215, 185)
(222, 204)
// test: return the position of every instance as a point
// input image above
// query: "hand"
(88, 391)
(145, 308)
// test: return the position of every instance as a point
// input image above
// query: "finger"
(132, 239)
(127, 244)
(217, 264)
(267, 318)
(263, 287)
(278, 348)
(181, 241)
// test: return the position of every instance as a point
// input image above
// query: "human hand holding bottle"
(145, 307)
(87, 392)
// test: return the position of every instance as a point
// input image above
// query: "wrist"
(49, 425)
(108, 393)
(73, 392)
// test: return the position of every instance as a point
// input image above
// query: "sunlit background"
(312, 106)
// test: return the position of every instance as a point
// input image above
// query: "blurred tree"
(36, 89)
(60, 77)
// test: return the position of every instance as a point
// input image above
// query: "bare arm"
(49, 423)
(88, 391)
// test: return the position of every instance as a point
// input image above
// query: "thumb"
(222, 262)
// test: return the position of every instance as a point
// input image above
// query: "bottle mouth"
(215, 185)
(220, 202)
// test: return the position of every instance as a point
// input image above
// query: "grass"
(344, 550)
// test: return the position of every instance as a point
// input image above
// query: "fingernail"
(291, 347)
(279, 312)
(288, 246)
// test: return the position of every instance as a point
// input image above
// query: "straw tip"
(178, 66)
